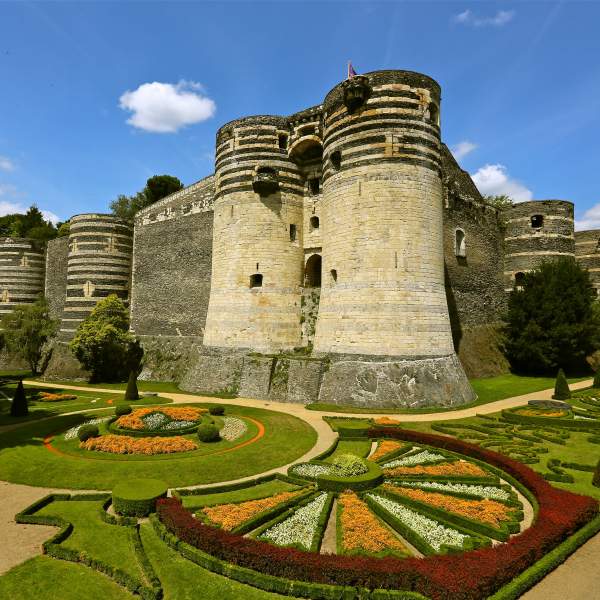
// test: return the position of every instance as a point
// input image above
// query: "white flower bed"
(300, 527)
(310, 470)
(155, 421)
(435, 534)
(173, 425)
(420, 458)
(233, 428)
(71, 434)
(482, 491)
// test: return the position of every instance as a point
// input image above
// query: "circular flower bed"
(159, 420)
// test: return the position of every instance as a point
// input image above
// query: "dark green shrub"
(216, 409)
(86, 432)
(596, 478)
(19, 408)
(561, 388)
(208, 433)
(348, 465)
(596, 383)
(123, 409)
(131, 393)
(137, 497)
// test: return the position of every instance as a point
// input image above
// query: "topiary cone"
(132, 391)
(596, 479)
(596, 383)
(19, 408)
(561, 388)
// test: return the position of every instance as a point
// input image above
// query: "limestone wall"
(56, 275)
(22, 264)
(536, 231)
(98, 264)
(587, 254)
(172, 264)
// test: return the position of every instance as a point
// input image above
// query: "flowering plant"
(123, 444)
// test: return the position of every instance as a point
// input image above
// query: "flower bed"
(299, 529)
(385, 447)
(540, 412)
(72, 433)
(48, 397)
(420, 458)
(386, 421)
(468, 489)
(458, 468)
(154, 419)
(122, 444)
(359, 530)
(233, 428)
(469, 576)
(309, 470)
(231, 516)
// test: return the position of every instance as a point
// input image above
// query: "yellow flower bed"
(123, 444)
(485, 510)
(361, 530)
(532, 412)
(184, 413)
(386, 421)
(229, 516)
(48, 397)
(385, 447)
(454, 468)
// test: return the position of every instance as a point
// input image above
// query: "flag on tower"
(351, 71)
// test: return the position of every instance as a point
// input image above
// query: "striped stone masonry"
(22, 271)
(98, 265)
(587, 254)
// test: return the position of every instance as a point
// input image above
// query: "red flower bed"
(467, 576)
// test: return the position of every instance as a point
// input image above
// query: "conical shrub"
(596, 383)
(596, 479)
(561, 387)
(132, 390)
(19, 407)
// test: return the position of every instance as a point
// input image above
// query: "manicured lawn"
(46, 578)
(255, 492)
(359, 447)
(109, 543)
(24, 459)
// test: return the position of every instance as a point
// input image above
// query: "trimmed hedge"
(208, 433)
(137, 497)
(87, 431)
(216, 409)
(512, 417)
(468, 576)
(330, 482)
(596, 478)
(123, 409)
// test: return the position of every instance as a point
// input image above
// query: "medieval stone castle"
(337, 255)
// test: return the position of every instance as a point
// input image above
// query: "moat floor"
(576, 579)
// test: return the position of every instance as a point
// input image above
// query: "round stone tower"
(587, 254)
(257, 257)
(383, 306)
(98, 265)
(22, 264)
(536, 231)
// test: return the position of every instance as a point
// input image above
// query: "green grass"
(359, 447)
(255, 492)
(109, 543)
(24, 459)
(488, 389)
(184, 580)
(46, 578)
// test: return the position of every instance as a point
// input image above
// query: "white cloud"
(468, 17)
(590, 220)
(463, 148)
(6, 164)
(10, 208)
(493, 180)
(167, 107)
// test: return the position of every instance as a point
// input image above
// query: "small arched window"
(434, 113)
(336, 159)
(256, 280)
(460, 245)
(282, 141)
(537, 221)
(314, 223)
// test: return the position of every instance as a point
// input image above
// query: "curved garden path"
(572, 579)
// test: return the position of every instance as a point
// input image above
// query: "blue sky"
(96, 97)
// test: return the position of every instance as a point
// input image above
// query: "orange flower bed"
(532, 412)
(134, 420)
(386, 421)
(385, 447)
(123, 444)
(361, 530)
(47, 397)
(229, 516)
(485, 510)
(454, 468)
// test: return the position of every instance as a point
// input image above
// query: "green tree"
(561, 387)
(500, 201)
(131, 393)
(29, 225)
(157, 187)
(551, 321)
(26, 329)
(63, 229)
(19, 407)
(103, 343)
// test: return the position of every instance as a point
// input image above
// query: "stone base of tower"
(372, 382)
(62, 365)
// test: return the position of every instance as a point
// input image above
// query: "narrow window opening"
(537, 221)
(313, 185)
(256, 280)
(307, 130)
(282, 140)
(232, 210)
(293, 232)
(333, 274)
(434, 113)
(257, 266)
(314, 223)
(312, 271)
(336, 159)
(460, 246)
